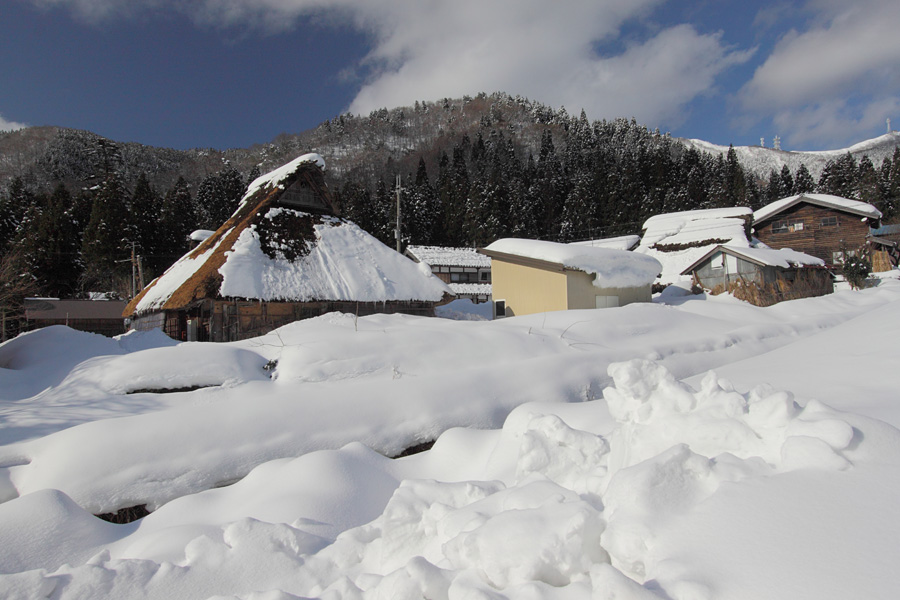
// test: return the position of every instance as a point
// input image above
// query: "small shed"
(532, 276)
(464, 270)
(281, 257)
(762, 276)
(96, 316)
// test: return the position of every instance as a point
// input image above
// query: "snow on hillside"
(763, 160)
(581, 454)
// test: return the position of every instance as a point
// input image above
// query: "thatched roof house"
(282, 256)
(678, 239)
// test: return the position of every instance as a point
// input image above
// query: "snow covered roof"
(440, 256)
(695, 227)
(623, 242)
(785, 258)
(270, 252)
(611, 267)
(854, 207)
(471, 289)
(679, 239)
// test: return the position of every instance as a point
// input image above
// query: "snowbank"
(719, 487)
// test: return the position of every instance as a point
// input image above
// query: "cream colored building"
(531, 276)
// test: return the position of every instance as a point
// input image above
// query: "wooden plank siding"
(824, 231)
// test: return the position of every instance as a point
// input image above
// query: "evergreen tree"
(890, 183)
(803, 182)
(49, 245)
(787, 182)
(106, 244)
(176, 222)
(869, 187)
(144, 217)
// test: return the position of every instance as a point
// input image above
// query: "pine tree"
(803, 182)
(176, 222)
(786, 183)
(49, 245)
(144, 217)
(106, 244)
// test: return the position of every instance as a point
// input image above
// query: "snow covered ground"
(580, 454)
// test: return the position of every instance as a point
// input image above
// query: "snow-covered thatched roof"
(854, 207)
(679, 239)
(441, 256)
(273, 250)
(610, 267)
(785, 258)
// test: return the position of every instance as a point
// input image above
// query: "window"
(837, 258)
(787, 226)
(829, 221)
(485, 276)
(499, 309)
(718, 261)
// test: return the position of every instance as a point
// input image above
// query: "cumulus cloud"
(10, 125)
(543, 50)
(838, 76)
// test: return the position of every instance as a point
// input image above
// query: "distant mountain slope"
(355, 145)
(763, 160)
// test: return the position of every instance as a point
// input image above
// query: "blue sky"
(820, 74)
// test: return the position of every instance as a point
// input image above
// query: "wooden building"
(531, 276)
(96, 316)
(821, 225)
(762, 276)
(281, 257)
(464, 270)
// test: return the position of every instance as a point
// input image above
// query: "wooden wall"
(816, 238)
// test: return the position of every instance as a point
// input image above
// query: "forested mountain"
(74, 206)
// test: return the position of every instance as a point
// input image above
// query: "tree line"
(586, 181)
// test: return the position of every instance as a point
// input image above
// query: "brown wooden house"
(818, 224)
(281, 257)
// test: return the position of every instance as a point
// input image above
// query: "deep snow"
(581, 454)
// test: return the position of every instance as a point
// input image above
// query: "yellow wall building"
(531, 276)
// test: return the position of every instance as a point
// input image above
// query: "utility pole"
(133, 274)
(397, 230)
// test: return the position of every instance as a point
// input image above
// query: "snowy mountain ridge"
(762, 160)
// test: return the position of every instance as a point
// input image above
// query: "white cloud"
(10, 125)
(835, 78)
(426, 50)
